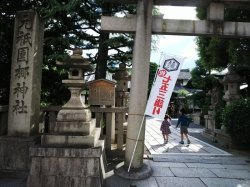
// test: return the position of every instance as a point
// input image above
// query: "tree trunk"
(102, 59)
(101, 64)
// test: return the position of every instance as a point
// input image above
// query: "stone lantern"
(74, 126)
(231, 83)
(210, 117)
(73, 153)
(122, 77)
(121, 93)
(77, 67)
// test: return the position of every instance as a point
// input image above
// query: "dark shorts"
(184, 130)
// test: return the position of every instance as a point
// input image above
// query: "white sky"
(177, 45)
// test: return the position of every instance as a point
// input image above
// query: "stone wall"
(66, 167)
(222, 138)
(14, 153)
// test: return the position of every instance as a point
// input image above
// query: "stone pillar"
(110, 128)
(210, 120)
(25, 86)
(26, 70)
(196, 118)
(139, 84)
(216, 95)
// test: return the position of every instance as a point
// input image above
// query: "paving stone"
(173, 150)
(115, 181)
(185, 149)
(200, 151)
(159, 140)
(192, 172)
(223, 160)
(154, 142)
(162, 150)
(179, 182)
(231, 160)
(232, 173)
(225, 182)
(156, 147)
(150, 138)
(162, 172)
(196, 149)
(201, 165)
(197, 144)
(246, 167)
(168, 164)
(174, 144)
(199, 159)
(212, 150)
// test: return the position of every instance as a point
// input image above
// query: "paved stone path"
(174, 165)
(154, 141)
(192, 171)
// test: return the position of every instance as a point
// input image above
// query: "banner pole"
(136, 143)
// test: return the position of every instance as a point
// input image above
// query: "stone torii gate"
(143, 25)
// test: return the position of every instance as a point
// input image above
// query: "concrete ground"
(200, 164)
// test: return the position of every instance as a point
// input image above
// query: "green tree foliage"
(213, 52)
(152, 70)
(202, 78)
(79, 25)
(236, 120)
(217, 53)
(68, 24)
(182, 93)
(198, 75)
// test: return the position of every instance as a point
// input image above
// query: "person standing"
(165, 128)
(183, 121)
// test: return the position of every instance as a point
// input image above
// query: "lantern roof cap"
(76, 60)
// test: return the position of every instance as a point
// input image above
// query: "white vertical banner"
(163, 86)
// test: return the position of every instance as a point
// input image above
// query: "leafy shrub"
(219, 117)
(236, 119)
